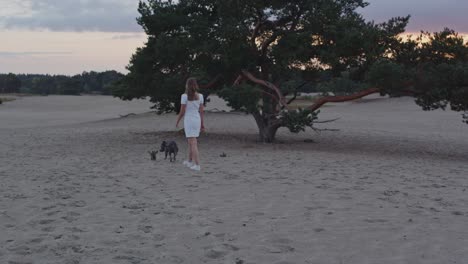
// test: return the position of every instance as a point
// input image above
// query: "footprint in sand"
(175, 259)
(220, 251)
(231, 247)
(21, 250)
(48, 229)
(158, 237)
(47, 208)
(78, 204)
(215, 254)
(19, 262)
(71, 216)
(46, 221)
(35, 240)
(145, 229)
(279, 245)
(135, 206)
(53, 213)
(130, 259)
(458, 213)
(231, 177)
(373, 221)
(75, 230)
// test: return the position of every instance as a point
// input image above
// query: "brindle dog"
(170, 148)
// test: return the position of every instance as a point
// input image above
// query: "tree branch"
(296, 91)
(238, 80)
(272, 96)
(277, 32)
(241, 77)
(292, 99)
(268, 42)
(255, 32)
(325, 121)
(281, 98)
(344, 98)
(212, 83)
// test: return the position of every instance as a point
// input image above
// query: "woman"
(191, 109)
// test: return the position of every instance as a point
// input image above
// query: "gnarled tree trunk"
(267, 127)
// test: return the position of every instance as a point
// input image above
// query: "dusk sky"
(72, 36)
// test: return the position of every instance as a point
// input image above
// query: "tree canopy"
(258, 55)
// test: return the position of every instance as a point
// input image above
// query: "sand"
(78, 186)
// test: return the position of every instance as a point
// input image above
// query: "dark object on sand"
(131, 114)
(153, 154)
(239, 261)
(223, 155)
(170, 148)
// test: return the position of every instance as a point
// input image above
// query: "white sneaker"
(195, 167)
(188, 163)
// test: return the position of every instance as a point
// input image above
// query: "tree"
(107, 81)
(43, 85)
(9, 83)
(258, 54)
(69, 86)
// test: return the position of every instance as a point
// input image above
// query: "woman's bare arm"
(202, 113)
(181, 114)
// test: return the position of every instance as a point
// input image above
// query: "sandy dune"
(40, 111)
(389, 187)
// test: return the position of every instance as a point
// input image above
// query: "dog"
(170, 148)
(153, 154)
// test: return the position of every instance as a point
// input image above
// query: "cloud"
(33, 53)
(430, 15)
(71, 15)
(129, 36)
(120, 15)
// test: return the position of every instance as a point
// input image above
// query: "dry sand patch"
(389, 187)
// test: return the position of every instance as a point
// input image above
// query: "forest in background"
(85, 83)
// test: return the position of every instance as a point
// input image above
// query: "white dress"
(192, 119)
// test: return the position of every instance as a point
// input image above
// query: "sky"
(72, 36)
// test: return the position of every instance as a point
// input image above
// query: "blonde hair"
(191, 89)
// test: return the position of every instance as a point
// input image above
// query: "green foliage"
(297, 120)
(437, 64)
(242, 97)
(439, 85)
(389, 76)
(340, 86)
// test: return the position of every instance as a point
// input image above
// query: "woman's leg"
(195, 153)
(190, 155)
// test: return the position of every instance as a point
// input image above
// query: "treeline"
(87, 82)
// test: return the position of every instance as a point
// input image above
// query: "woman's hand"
(202, 129)
(181, 114)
